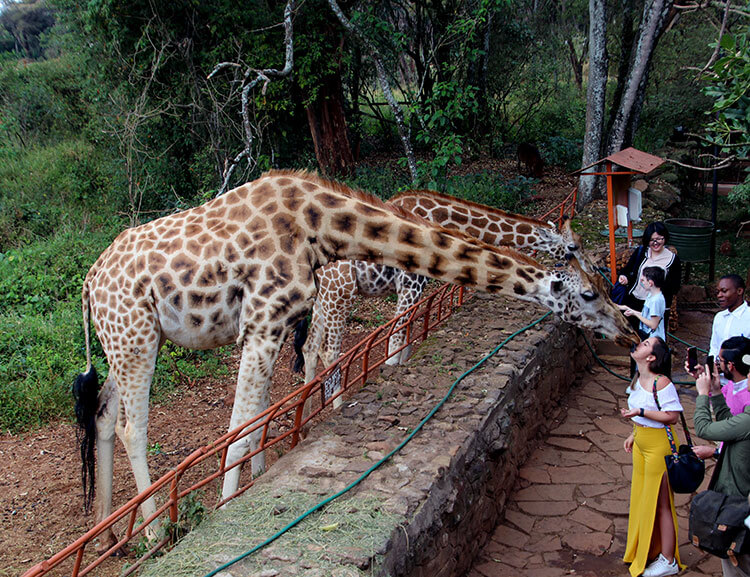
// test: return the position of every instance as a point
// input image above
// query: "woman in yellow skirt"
(651, 549)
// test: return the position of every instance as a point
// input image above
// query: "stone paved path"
(568, 512)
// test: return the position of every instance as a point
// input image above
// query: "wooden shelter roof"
(630, 159)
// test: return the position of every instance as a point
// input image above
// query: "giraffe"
(341, 281)
(241, 268)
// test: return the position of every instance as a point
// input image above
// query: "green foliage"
(40, 101)
(41, 355)
(492, 189)
(178, 366)
(49, 188)
(562, 151)
(730, 91)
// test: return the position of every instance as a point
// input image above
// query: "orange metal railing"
(280, 425)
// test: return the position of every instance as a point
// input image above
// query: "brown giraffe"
(340, 282)
(241, 268)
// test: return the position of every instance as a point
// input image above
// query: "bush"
(562, 151)
(491, 189)
(44, 189)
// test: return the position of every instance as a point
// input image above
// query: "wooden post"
(611, 214)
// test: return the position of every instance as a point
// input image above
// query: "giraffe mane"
(469, 203)
(371, 199)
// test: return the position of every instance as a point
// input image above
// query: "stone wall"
(443, 492)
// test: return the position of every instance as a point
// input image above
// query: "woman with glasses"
(652, 252)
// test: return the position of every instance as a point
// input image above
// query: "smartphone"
(692, 355)
(710, 363)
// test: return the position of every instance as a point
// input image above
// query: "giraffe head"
(573, 244)
(577, 298)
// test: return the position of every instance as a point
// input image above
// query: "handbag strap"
(672, 445)
(685, 428)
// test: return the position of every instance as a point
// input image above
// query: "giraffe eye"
(589, 296)
(572, 247)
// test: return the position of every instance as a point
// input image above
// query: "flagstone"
(615, 426)
(546, 572)
(555, 525)
(611, 506)
(582, 474)
(595, 543)
(597, 392)
(509, 536)
(520, 520)
(534, 474)
(504, 554)
(495, 569)
(545, 493)
(591, 519)
(546, 509)
(596, 490)
(567, 443)
(571, 429)
(546, 543)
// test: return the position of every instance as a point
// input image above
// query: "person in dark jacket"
(732, 430)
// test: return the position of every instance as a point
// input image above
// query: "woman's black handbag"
(618, 293)
(684, 469)
(717, 521)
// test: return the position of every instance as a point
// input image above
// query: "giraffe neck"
(344, 224)
(488, 224)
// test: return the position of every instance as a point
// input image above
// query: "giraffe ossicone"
(241, 268)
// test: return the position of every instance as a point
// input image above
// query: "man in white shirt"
(734, 318)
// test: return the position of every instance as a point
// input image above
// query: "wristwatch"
(642, 412)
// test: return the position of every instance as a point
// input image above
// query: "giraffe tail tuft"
(300, 336)
(86, 394)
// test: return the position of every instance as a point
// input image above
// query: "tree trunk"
(595, 97)
(627, 40)
(653, 23)
(327, 121)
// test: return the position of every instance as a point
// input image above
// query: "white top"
(654, 306)
(663, 260)
(641, 398)
(729, 324)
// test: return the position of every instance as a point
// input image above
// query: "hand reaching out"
(629, 413)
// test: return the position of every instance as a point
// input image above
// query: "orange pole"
(611, 214)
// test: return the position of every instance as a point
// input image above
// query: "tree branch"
(385, 87)
(251, 78)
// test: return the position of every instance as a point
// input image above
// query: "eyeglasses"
(656, 240)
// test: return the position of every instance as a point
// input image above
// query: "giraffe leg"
(332, 343)
(409, 288)
(106, 415)
(251, 398)
(310, 350)
(132, 426)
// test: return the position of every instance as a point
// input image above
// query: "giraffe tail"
(300, 336)
(86, 395)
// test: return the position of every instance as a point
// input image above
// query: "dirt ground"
(40, 490)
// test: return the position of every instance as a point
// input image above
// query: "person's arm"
(673, 280)
(632, 267)
(652, 322)
(715, 344)
(733, 428)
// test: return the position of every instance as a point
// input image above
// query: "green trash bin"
(691, 237)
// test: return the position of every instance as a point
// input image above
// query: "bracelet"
(642, 412)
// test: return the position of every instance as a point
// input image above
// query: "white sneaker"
(661, 567)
